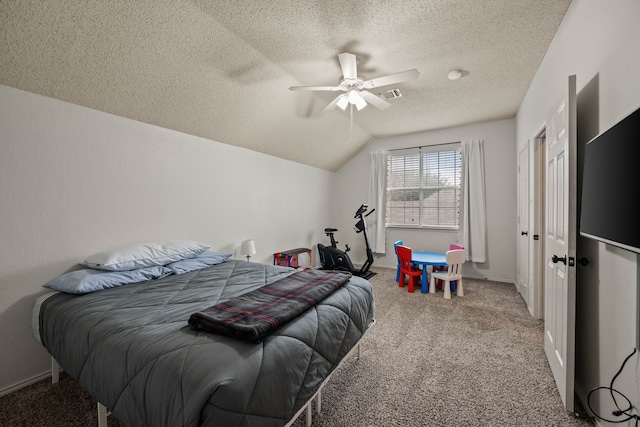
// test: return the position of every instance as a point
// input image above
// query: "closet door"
(522, 273)
(560, 243)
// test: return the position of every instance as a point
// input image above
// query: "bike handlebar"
(362, 209)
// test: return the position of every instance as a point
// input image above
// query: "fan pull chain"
(351, 123)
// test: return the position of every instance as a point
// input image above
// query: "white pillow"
(145, 255)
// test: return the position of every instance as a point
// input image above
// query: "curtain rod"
(420, 146)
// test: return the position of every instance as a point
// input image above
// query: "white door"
(560, 243)
(522, 274)
(536, 225)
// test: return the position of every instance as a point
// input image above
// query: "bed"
(132, 348)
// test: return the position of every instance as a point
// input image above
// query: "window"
(423, 187)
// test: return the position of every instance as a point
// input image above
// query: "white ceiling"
(221, 69)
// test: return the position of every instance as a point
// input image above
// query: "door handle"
(524, 233)
(556, 258)
(584, 261)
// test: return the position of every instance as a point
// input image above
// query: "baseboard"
(582, 396)
(390, 267)
(493, 279)
(25, 383)
(381, 268)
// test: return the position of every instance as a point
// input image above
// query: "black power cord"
(618, 412)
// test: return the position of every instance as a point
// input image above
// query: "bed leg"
(319, 401)
(102, 415)
(55, 371)
(308, 415)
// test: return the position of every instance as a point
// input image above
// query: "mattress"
(131, 347)
(35, 315)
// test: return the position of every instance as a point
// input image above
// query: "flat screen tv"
(611, 185)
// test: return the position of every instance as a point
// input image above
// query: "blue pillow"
(89, 280)
(205, 259)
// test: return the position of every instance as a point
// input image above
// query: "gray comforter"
(132, 349)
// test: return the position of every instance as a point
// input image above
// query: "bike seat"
(330, 230)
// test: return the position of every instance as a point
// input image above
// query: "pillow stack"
(145, 255)
(137, 263)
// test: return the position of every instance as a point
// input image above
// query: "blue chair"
(395, 249)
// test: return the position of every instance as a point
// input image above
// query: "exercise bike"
(332, 258)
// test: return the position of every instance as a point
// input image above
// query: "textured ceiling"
(222, 69)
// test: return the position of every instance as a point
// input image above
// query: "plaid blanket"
(257, 313)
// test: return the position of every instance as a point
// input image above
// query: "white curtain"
(377, 200)
(473, 233)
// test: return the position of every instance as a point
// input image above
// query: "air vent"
(392, 94)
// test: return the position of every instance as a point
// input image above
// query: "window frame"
(422, 151)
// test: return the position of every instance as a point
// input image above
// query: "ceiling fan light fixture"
(343, 101)
(360, 104)
(356, 99)
(353, 96)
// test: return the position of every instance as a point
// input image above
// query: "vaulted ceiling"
(221, 69)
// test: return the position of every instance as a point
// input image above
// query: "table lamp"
(248, 248)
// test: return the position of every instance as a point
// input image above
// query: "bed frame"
(103, 413)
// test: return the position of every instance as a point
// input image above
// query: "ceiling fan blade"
(391, 79)
(374, 100)
(325, 88)
(348, 65)
(335, 102)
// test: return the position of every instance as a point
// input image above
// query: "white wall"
(351, 189)
(598, 42)
(75, 181)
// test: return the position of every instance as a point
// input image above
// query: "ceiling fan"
(355, 87)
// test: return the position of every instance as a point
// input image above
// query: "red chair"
(452, 247)
(413, 274)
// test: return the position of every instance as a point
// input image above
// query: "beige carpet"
(471, 361)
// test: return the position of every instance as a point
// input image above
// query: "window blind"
(423, 187)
